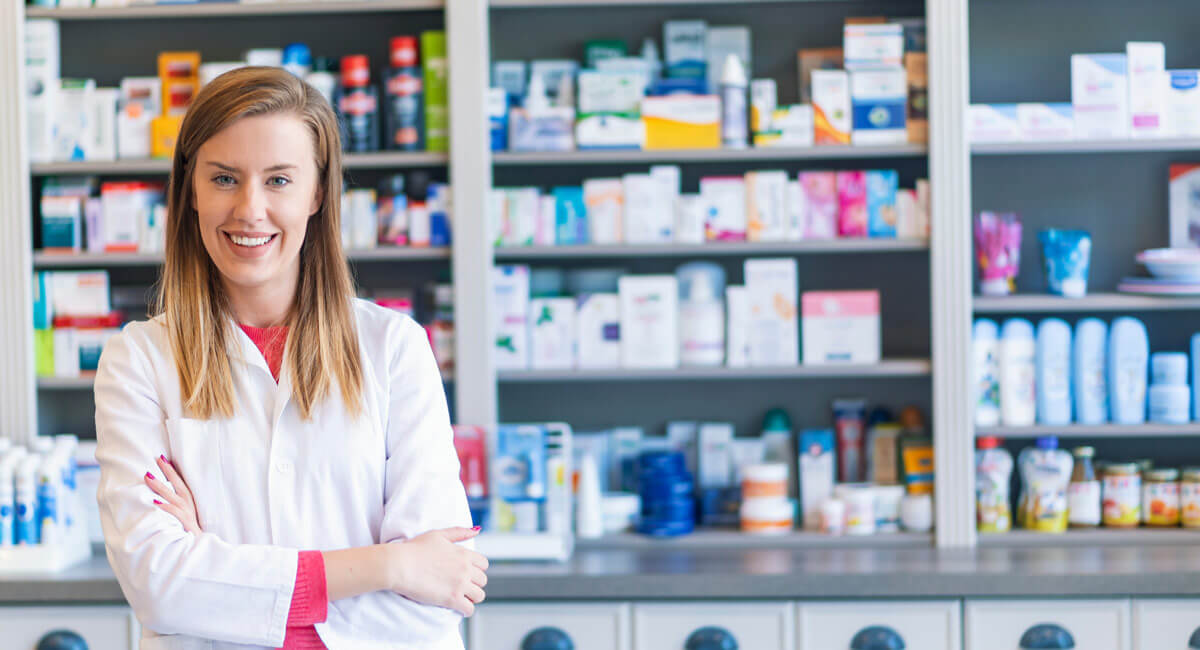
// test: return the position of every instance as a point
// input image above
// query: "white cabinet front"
(1020, 625)
(711, 625)
(529, 626)
(933, 625)
(1166, 624)
(101, 628)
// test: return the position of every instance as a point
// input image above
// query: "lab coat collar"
(244, 351)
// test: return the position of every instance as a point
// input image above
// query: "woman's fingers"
(173, 476)
(479, 578)
(160, 488)
(475, 594)
(464, 606)
(170, 509)
(479, 560)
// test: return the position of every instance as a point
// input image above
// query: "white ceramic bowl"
(1172, 263)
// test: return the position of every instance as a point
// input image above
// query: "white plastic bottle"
(25, 528)
(985, 343)
(589, 515)
(735, 116)
(1196, 377)
(49, 500)
(1053, 380)
(1018, 360)
(7, 502)
(1128, 370)
(1045, 479)
(993, 474)
(1090, 361)
(701, 314)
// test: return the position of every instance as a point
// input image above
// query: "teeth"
(249, 241)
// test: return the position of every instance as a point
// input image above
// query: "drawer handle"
(62, 640)
(1047, 636)
(547, 638)
(877, 637)
(711, 638)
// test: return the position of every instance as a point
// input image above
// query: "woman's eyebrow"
(272, 168)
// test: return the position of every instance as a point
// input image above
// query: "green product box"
(437, 114)
(43, 352)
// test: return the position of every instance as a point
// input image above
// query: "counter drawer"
(1161, 624)
(1093, 624)
(590, 626)
(753, 625)
(837, 626)
(103, 628)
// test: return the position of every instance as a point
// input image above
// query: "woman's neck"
(264, 306)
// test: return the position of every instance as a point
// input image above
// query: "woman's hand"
(178, 502)
(433, 569)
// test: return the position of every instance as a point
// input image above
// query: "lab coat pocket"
(196, 452)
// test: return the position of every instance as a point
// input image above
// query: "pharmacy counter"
(649, 572)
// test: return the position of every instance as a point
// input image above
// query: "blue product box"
(570, 219)
(882, 215)
(520, 463)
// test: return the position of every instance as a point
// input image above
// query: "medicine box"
(604, 199)
(42, 65)
(841, 327)
(716, 455)
(725, 208)
(772, 288)
(62, 219)
(1183, 103)
(766, 206)
(817, 471)
(649, 217)
(993, 123)
(873, 46)
(832, 121)
(882, 214)
(1046, 122)
(552, 333)
(510, 289)
(879, 101)
(649, 321)
(1099, 93)
(685, 45)
(682, 122)
(1184, 206)
(1147, 89)
(599, 330)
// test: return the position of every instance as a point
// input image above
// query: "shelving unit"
(886, 368)
(376, 160)
(731, 539)
(66, 383)
(729, 249)
(1085, 147)
(117, 260)
(1093, 302)
(1093, 537)
(233, 9)
(1148, 430)
(751, 154)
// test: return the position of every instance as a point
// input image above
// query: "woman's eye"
(223, 179)
(278, 181)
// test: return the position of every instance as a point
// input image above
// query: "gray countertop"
(649, 572)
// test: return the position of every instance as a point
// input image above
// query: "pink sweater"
(310, 599)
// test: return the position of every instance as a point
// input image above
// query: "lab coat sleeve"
(177, 582)
(422, 488)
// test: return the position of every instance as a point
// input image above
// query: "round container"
(661, 462)
(833, 517)
(1169, 368)
(916, 513)
(887, 507)
(765, 480)
(1160, 497)
(1122, 495)
(1189, 497)
(772, 516)
(620, 511)
(666, 529)
(860, 509)
(668, 509)
(1170, 404)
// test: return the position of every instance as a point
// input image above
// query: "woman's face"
(255, 187)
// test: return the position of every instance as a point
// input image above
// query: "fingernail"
(477, 528)
(163, 458)
(157, 502)
(149, 476)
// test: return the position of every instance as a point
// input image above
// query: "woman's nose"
(251, 203)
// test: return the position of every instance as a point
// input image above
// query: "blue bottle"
(1128, 370)
(1054, 372)
(1196, 377)
(1090, 363)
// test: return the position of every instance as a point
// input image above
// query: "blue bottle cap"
(297, 53)
(1047, 442)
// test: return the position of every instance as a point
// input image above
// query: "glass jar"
(1189, 497)
(1160, 497)
(1083, 494)
(1122, 495)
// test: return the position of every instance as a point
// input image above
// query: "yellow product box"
(179, 73)
(163, 133)
(682, 122)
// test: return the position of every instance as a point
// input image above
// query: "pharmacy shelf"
(66, 383)
(732, 539)
(118, 260)
(730, 249)
(1092, 537)
(567, 4)
(605, 157)
(1090, 302)
(887, 368)
(375, 160)
(1147, 430)
(1086, 146)
(233, 9)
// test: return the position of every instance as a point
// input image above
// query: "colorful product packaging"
(682, 122)
(821, 199)
(832, 121)
(818, 471)
(882, 214)
(841, 327)
(852, 204)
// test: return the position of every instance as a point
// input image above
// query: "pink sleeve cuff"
(310, 599)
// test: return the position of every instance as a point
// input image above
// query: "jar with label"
(1122, 495)
(1083, 494)
(1189, 497)
(1160, 497)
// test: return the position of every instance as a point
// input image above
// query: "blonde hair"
(191, 295)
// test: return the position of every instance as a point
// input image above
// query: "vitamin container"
(1160, 497)
(774, 516)
(765, 480)
(1122, 495)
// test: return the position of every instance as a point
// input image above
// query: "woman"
(277, 464)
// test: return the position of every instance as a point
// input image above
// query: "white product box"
(73, 119)
(599, 330)
(1046, 122)
(879, 101)
(1147, 89)
(552, 333)
(547, 221)
(552, 73)
(685, 45)
(831, 106)
(725, 208)
(510, 290)
(993, 123)
(104, 124)
(794, 125)
(716, 455)
(817, 468)
(720, 43)
(764, 99)
(1184, 209)
(41, 82)
(66, 352)
(649, 218)
(608, 131)
(522, 210)
(125, 208)
(841, 327)
(690, 217)
(497, 215)
(797, 210)
(1183, 103)
(909, 220)
(82, 293)
(133, 132)
(737, 311)
(144, 91)
(649, 321)
(610, 92)
(766, 206)
(872, 46)
(153, 235)
(773, 332)
(605, 199)
(1100, 95)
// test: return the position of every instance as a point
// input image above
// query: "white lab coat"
(267, 484)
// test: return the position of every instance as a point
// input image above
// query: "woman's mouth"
(250, 245)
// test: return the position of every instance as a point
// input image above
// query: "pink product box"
(852, 204)
(840, 327)
(821, 199)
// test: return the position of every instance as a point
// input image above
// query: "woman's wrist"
(392, 565)
(354, 571)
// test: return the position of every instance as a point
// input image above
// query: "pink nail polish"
(157, 502)
(149, 476)
(477, 528)
(163, 458)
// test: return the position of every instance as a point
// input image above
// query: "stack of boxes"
(72, 318)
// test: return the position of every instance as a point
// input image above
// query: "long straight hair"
(322, 340)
